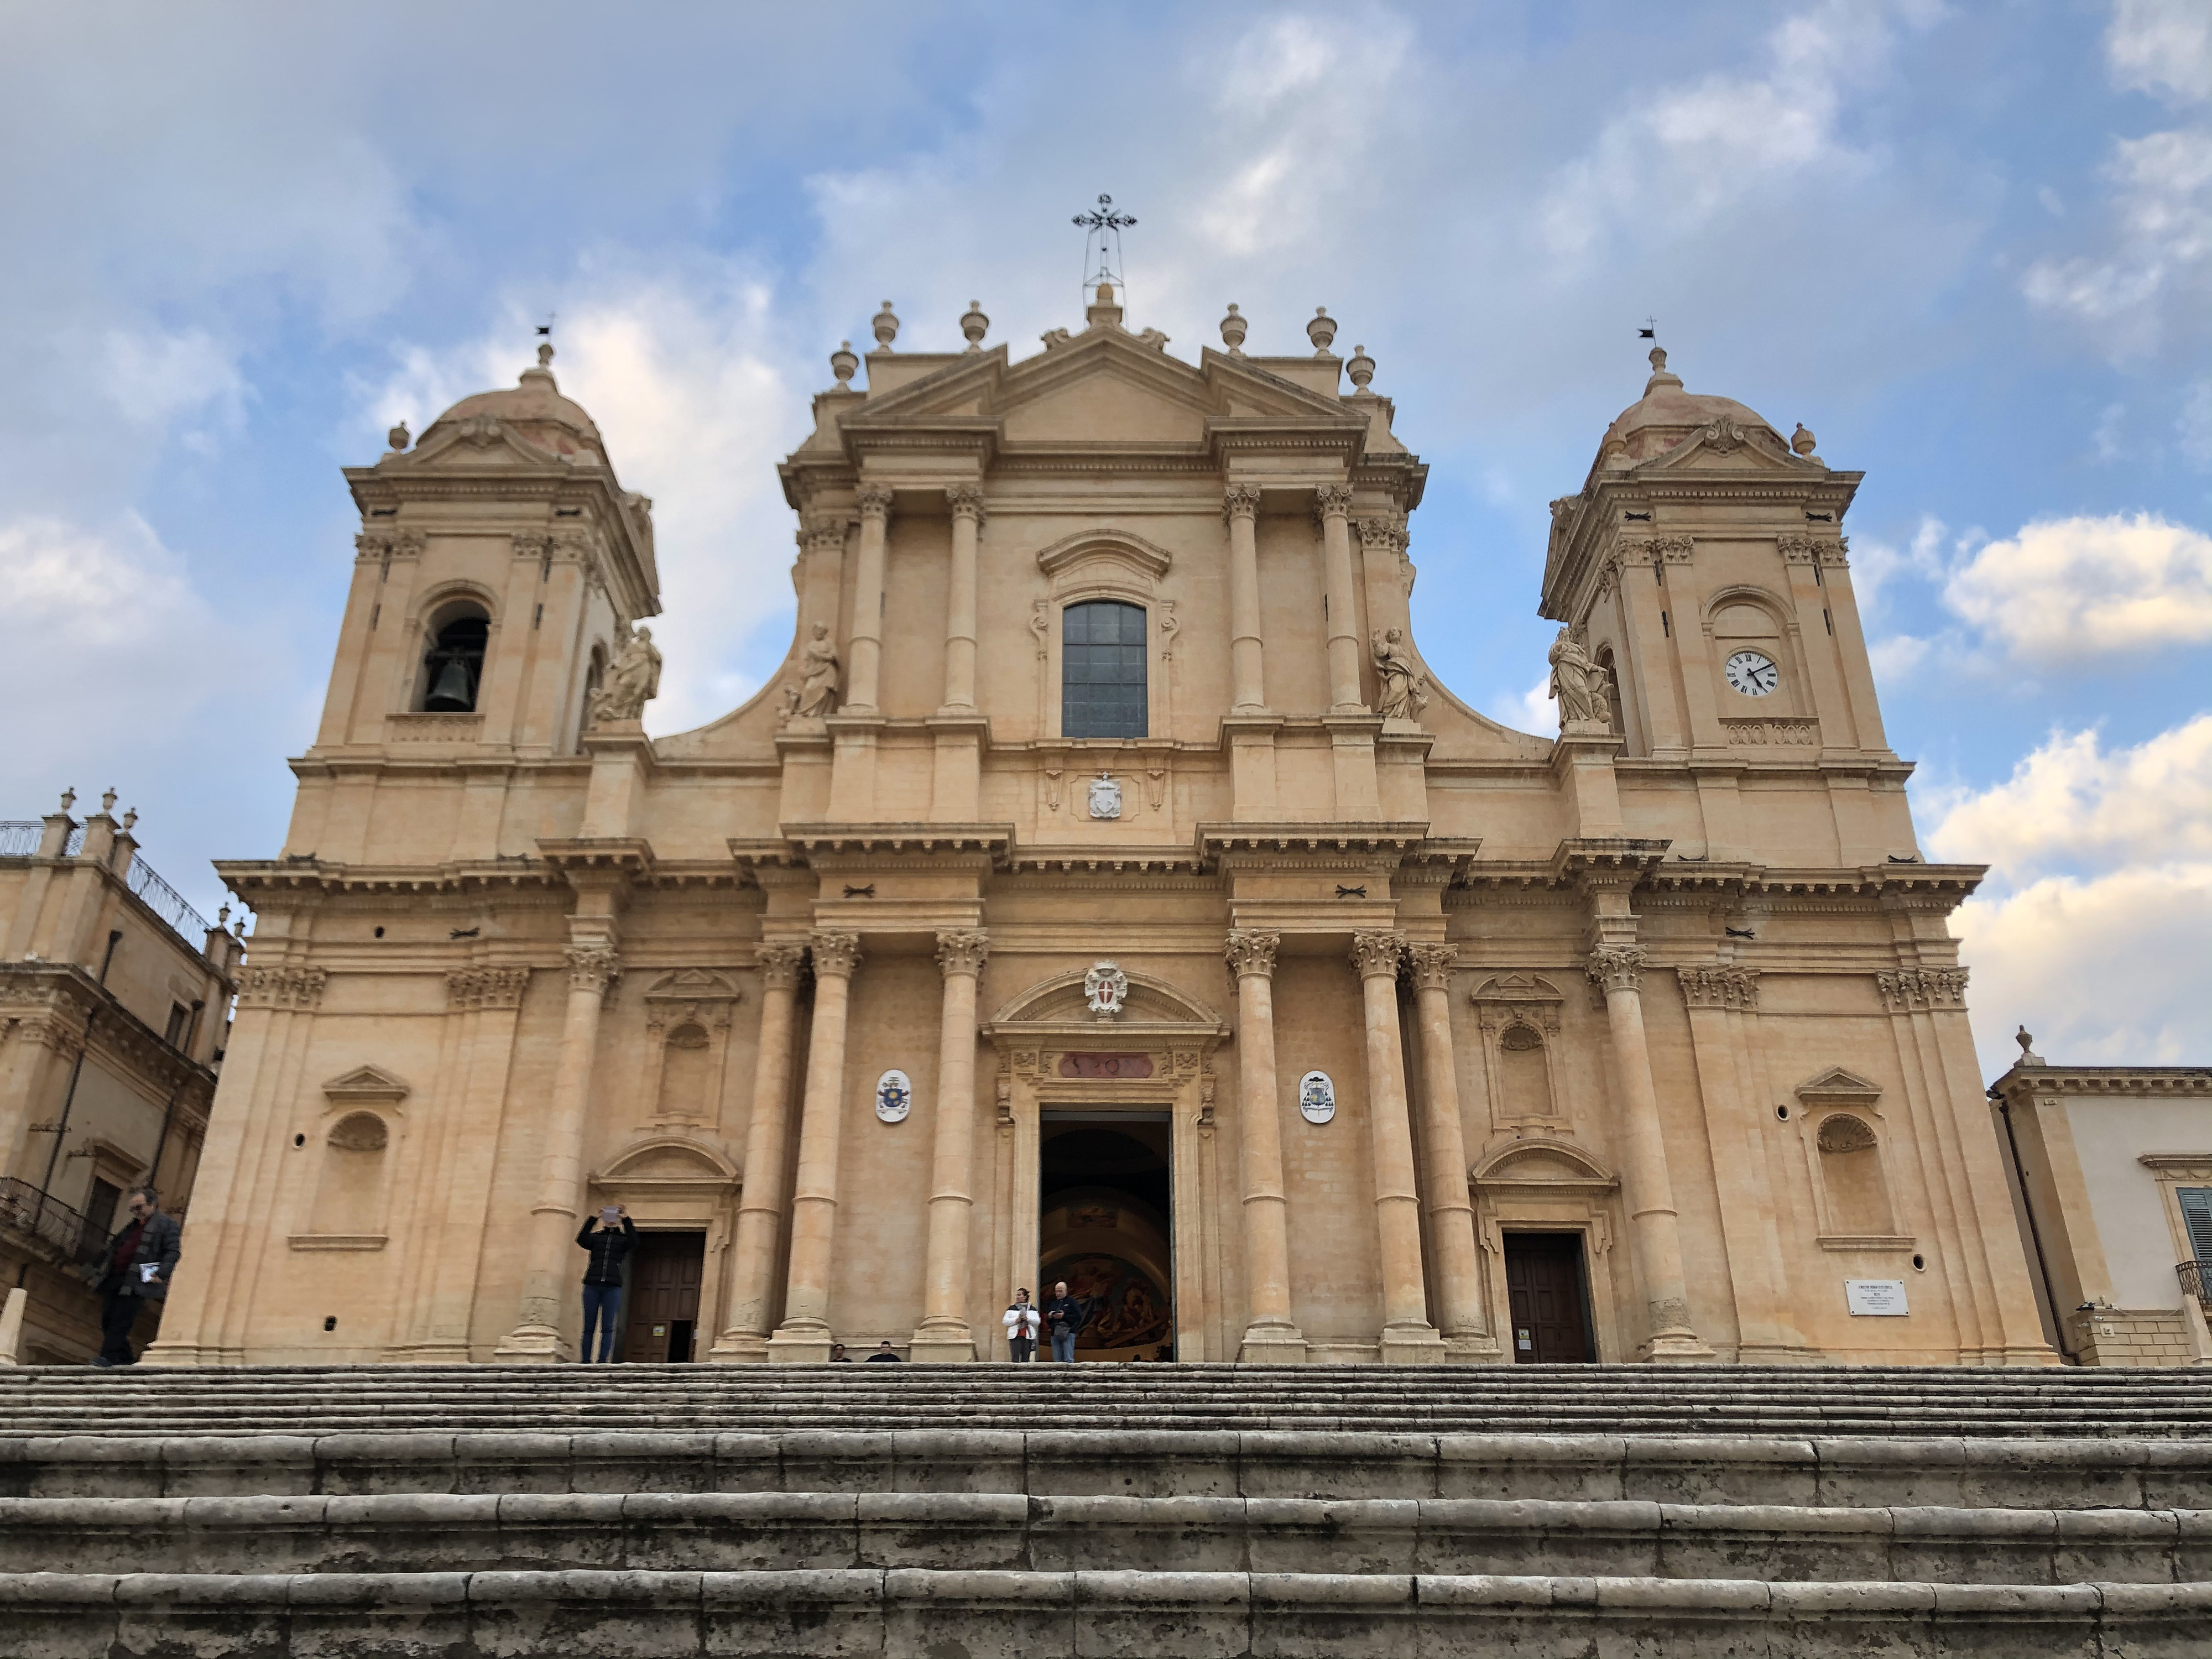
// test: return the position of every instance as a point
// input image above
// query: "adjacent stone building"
(114, 1002)
(1103, 889)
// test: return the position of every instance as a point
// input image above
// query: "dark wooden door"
(662, 1307)
(1543, 1278)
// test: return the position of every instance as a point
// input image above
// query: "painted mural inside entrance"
(1105, 1228)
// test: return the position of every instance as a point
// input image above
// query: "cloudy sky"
(1969, 245)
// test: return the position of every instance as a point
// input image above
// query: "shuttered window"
(1102, 670)
(2197, 1216)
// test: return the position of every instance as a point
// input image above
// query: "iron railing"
(50, 1221)
(167, 902)
(2197, 1280)
(19, 837)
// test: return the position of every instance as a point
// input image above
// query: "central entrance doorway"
(1105, 1198)
(660, 1309)
(1545, 1284)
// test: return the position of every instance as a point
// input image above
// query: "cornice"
(262, 881)
(2132, 1082)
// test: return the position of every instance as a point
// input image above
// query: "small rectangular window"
(1102, 670)
(180, 1019)
(2196, 1217)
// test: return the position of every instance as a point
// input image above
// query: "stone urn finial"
(1361, 368)
(1233, 331)
(886, 327)
(1321, 331)
(2027, 1040)
(973, 324)
(1801, 441)
(108, 801)
(130, 820)
(68, 799)
(545, 354)
(843, 363)
(399, 437)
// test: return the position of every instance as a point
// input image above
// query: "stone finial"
(68, 799)
(886, 326)
(223, 916)
(1361, 368)
(1659, 377)
(844, 364)
(545, 354)
(399, 437)
(130, 820)
(1233, 331)
(2027, 1040)
(973, 324)
(1801, 441)
(108, 801)
(1321, 331)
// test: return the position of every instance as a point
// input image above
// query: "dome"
(535, 408)
(1666, 415)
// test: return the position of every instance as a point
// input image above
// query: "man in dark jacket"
(1064, 1316)
(609, 1244)
(134, 1268)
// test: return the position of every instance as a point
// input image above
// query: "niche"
(349, 1197)
(686, 1069)
(687, 1028)
(1518, 1015)
(1849, 1157)
(1524, 1080)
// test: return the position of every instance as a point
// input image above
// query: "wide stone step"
(732, 1532)
(1805, 1472)
(907, 1611)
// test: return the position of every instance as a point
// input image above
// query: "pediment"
(1838, 1087)
(1059, 1001)
(366, 1085)
(1543, 1164)
(1148, 558)
(1724, 446)
(669, 1160)
(1517, 988)
(693, 985)
(475, 442)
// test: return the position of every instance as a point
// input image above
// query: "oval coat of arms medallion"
(894, 1096)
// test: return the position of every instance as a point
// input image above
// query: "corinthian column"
(804, 1334)
(1240, 505)
(960, 599)
(768, 1135)
(1619, 969)
(1333, 506)
(944, 1334)
(537, 1338)
(1451, 1211)
(1407, 1336)
(868, 601)
(1271, 1336)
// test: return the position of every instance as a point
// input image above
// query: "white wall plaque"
(894, 1096)
(1105, 796)
(1316, 1098)
(1877, 1295)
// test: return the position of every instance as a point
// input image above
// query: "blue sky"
(1969, 246)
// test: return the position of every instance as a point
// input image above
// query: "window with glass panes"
(1102, 669)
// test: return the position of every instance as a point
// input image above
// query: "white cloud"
(152, 378)
(1533, 710)
(2161, 254)
(2193, 429)
(2072, 587)
(2162, 46)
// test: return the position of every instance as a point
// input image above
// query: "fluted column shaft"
(1270, 1334)
(868, 601)
(767, 1134)
(1397, 1205)
(960, 597)
(1333, 506)
(805, 1333)
(944, 1333)
(1450, 1208)
(1240, 505)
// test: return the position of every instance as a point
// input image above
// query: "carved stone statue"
(819, 673)
(633, 681)
(1579, 684)
(1403, 691)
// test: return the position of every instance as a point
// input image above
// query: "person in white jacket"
(1022, 1324)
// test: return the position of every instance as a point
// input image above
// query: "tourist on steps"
(608, 1237)
(133, 1270)
(1022, 1321)
(1064, 1316)
(883, 1355)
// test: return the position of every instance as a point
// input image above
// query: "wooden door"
(661, 1311)
(1544, 1279)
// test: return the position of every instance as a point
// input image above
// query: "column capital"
(875, 501)
(779, 962)
(1377, 954)
(962, 951)
(1720, 985)
(1432, 965)
(837, 955)
(1251, 950)
(966, 500)
(591, 967)
(485, 988)
(1616, 967)
(1332, 501)
(824, 532)
(1240, 501)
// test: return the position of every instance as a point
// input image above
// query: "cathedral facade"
(1104, 889)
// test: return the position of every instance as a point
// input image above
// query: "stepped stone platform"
(1159, 1511)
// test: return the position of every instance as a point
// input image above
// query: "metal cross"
(1101, 223)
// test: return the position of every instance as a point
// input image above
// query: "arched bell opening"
(453, 664)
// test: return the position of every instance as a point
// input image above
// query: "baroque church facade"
(1104, 889)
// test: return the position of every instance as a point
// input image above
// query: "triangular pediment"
(365, 1084)
(1837, 1085)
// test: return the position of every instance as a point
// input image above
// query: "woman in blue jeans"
(609, 1243)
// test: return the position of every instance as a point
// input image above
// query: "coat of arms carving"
(1106, 990)
(1105, 797)
(894, 1096)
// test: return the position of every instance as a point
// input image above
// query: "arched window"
(453, 668)
(1851, 1172)
(1101, 671)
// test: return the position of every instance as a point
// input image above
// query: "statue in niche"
(1403, 690)
(816, 694)
(632, 680)
(1581, 686)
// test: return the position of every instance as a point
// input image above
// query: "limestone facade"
(1103, 887)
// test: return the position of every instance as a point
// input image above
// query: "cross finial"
(1100, 223)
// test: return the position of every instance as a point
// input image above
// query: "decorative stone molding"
(1910, 990)
(779, 963)
(962, 951)
(1332, 502)
(966, 501)
(1798, 548)
(1663, 550)
(1430, 965)
(1507, 1000)
(365, 1086)
(382, 545)
(1377, 954)
(485, 988)
(1251, 950)
(1722, 436)
(281, 987)
(824, 532)
(875, 502)
(1840, 1089)
(690, 996)
(1720, 985)
(590, 968)
(836, 956)
(530, 544)
(1616, 967)
(1240, 501)
(1772, 729)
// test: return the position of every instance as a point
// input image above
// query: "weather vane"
(1099, 224)
(1649, 330)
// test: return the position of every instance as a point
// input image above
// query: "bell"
(451, 695)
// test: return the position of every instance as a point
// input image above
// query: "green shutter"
(2197, 1216)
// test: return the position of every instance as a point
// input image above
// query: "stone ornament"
(886, 327)
(1233, 329)
(1581, 686)
(1377, 954)
(837, 955)
(1252, 951)
(1316, 1098)
(844, 363)
(779, 963)
(962, 951)
(894, 1096)
(1360, 369)
(1105, 796)
(1402, 690)
(632, 680)
(1321, 331)
(816, 693)
(1106, 990)
(973, 324)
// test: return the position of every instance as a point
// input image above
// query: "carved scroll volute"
(1251, 950)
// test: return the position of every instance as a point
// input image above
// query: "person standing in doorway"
(608, 1237)
(1021, 1321)
(1064, 1316)
(134, 1269)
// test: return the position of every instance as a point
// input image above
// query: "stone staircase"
(1161, 1510)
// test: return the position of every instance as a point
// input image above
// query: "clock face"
(1749, 673)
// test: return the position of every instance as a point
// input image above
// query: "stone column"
(1271, 1336)
(1333, 507)
(867, 649)
(1407, 1336)
(768, 1137)
(804, 1334)
(944, 1334)
(1450, 1209)
(553, 1223)
(960, 599)
(1619, 969)
(1240, 505)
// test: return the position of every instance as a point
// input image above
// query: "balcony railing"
(20, 838)
(2197, 1280)
(52, 1223)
